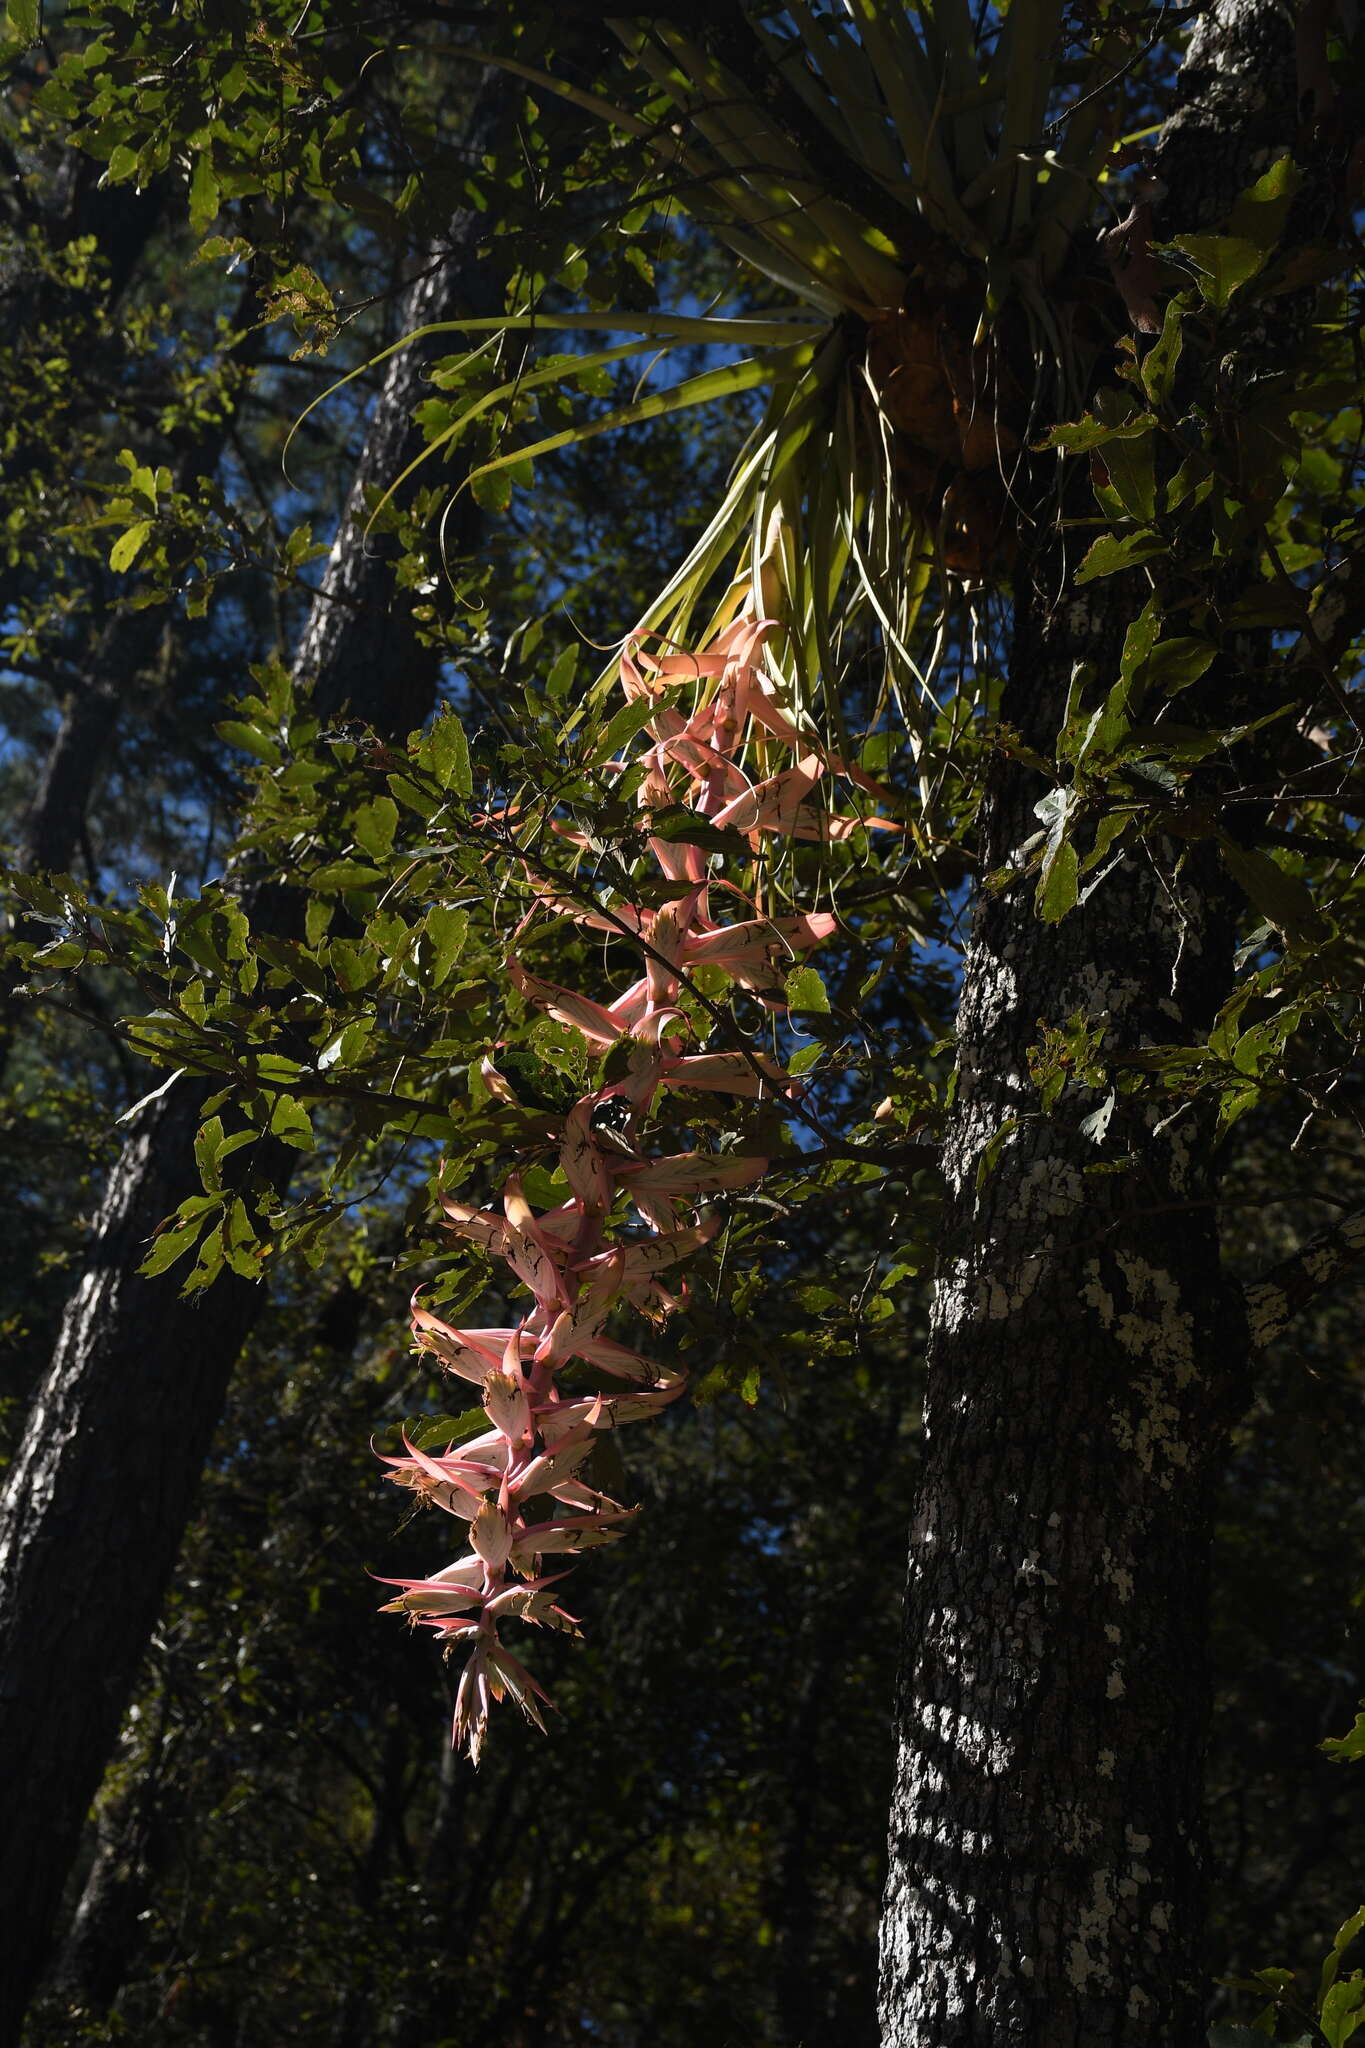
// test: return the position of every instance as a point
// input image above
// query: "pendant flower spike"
(582, 1260)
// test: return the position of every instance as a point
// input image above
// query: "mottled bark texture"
(97, 1500)
(1085, 1362)
(1045, 1887)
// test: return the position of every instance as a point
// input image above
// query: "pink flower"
(585, 1258)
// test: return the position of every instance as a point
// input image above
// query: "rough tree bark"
(1046, 1882)
(105, 1479)
(1085, 1362)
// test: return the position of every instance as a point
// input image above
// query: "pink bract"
(581, 1261)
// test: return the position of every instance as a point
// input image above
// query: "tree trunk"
(105, 1479)
(1046, 1884)
(104, 1930)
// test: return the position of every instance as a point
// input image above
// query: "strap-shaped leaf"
(723, 382)
(784, 325)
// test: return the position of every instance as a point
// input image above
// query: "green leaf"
(251, 740)
(1268, 604)
(1342, 1940)
(1348, 1748)
(446, 750)
(1272, 1980)
(171, 1244)
(208, 1144)
(446, 928)
(290, 1122)
(204, 199)
(560, 679)
(355, 966)
(1131, 465)
(211, 1148)
(1159, 363)
(122, 164)
(1110, 553)
(410, 793)
(301, 547)
(1110, 827)
(347, 1047)
(1261, 211)
(374, 826)
(1138, 641)
(345, 874)
(724, 382)
(1058, 882)
(241, 1246)
(1262, 1044)
(128, 546)
(23, 18)
(677, 821)
(624, 724)
(1343, 2011)
(806, 991)
(1223, 264)
(221, 245)
(435, 1432)
(491, 492)
(1089, 432)
(815, 1299)
(1193, 479)
(62, 953)
(1279, 896)
(317, 919)
(209, 1263)
(1174, 664)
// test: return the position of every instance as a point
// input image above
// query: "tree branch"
(1273, 1301)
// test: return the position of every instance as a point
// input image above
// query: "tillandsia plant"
(912, 182)
(629, 1216)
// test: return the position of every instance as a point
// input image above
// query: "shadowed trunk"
(106, 1476)
(141, 1832)
(104, 1930)
(1045, 1885)
(1046, 1882)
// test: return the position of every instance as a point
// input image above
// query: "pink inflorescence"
(575, 1261)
